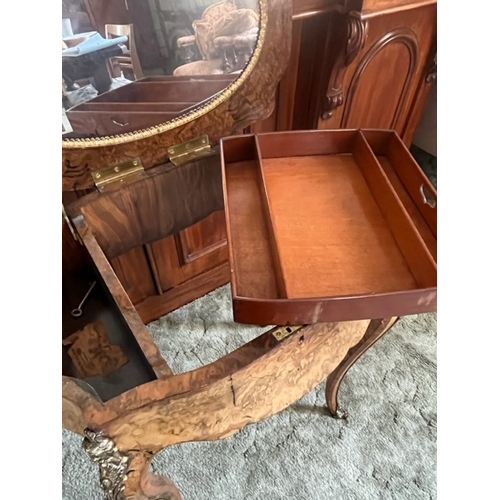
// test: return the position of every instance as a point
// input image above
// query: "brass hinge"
(282, 332)
(114, 176)
(190, 150)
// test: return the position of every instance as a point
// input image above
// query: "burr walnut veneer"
(332, 235)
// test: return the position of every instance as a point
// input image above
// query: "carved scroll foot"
(113, 464)
(125, 475)
(375, 330)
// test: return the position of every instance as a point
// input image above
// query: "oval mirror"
(143, 65)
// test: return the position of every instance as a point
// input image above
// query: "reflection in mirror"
(128, 65)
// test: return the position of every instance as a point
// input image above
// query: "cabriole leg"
(375, 330)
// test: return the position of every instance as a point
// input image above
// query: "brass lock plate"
(283, 332)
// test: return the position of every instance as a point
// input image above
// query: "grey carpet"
(385, 449)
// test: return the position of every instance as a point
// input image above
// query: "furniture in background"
(91, 64)
(224, 37)
(426, 134)
(176, 22)
(369, 63)
(127, 64)
(134, 12)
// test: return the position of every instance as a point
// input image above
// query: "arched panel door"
(383, 61)
(381, 83)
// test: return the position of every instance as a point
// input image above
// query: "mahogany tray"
(328, 226)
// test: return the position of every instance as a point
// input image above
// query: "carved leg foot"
(339, 413)
(125, 475)
(375, 330)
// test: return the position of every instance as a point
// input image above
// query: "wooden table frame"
(212, 402)
(245, 386)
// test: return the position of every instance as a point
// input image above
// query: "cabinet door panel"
(202, 238)
(190, 253)
(375, 98)
(134, 272)
(175, 270)
(386, 59)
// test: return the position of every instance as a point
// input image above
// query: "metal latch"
(282, 332)
(190, 150)
(113, 177)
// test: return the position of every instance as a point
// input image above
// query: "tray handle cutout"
(427, 197)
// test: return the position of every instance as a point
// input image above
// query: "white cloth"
(92, 41)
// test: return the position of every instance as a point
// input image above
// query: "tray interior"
(409, 182)
(327, 224)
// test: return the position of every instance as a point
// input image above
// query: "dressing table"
(330, 235)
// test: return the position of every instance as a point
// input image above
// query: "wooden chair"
(128, 63)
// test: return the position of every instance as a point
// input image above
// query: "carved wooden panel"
(351, 38)
(378, 69)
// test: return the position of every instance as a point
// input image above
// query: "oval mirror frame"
(249, 99)
(203, 108)
(193, 114)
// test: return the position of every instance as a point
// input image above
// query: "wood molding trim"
(402, 35)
